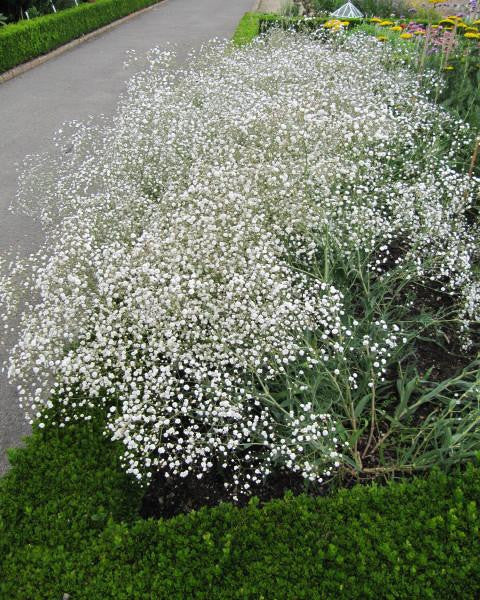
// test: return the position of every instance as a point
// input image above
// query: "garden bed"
(253, 24)
(261, 275)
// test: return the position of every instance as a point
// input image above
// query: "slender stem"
(326, 258)
(364, 285)
(372, 422)
(381, 440)
(474, 157)
(398, 468)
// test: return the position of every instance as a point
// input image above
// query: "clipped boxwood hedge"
(26, 40)
(69, 525)
(247, 28)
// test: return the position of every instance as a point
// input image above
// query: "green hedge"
(69, 525)
(26, 40)
(247, 29)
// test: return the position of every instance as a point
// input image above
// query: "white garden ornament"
(347, 11)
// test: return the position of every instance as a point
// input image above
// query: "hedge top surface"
(68, 525)
(51, 19)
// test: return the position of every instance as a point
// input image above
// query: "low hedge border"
(247, 29)
(69, 525)
(26, 40)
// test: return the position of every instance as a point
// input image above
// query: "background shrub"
(14, 9)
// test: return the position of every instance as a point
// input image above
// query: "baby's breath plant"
(222, 234)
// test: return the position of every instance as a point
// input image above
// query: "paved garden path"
(86, 80)
(271, 6)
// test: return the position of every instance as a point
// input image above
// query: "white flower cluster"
(180, 236)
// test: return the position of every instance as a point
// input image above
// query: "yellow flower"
(406, 36)
(419, 32)
(396, 28)
(385, 23)
(381, 38)
(449, 68)
(375, 20)
(447, 22)
(333, 24)
(462, 25)
(477, 22)
(471, 30)
(472, 36)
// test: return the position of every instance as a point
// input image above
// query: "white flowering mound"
(183, 242)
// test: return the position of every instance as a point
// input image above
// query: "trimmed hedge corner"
(247, 29)
(28, 39)
(69, 525)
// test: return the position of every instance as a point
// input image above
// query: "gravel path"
(271, 6)
(86, 80)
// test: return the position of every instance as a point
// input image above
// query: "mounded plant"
(247, 268)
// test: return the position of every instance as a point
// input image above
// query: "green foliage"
(26, 40)
(43, 7)
(68, 526)
(3, 20)
(34, 12)
(302, 24)
(299, 24)
(247, 29)
(17, 9)
(427, 13)
(461, 73)
(410, 421)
